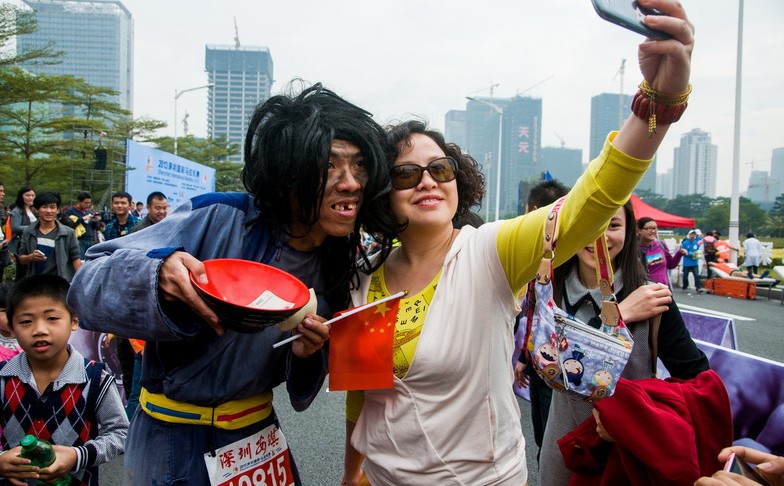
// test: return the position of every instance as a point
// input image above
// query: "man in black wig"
(315, 170)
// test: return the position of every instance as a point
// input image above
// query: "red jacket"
(665, 431)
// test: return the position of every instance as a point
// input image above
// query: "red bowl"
(234, 284)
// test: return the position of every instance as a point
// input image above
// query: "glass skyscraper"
(520, 148)
(241, 77)
(95, 37)
(609, 112)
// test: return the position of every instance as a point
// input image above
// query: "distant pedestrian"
(123, 220)
(752, 254)
(22, 216)
(157, 210)
(79, 217)
(48, 246)
(655, 255)
(691, 260)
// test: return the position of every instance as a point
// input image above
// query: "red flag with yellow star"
(360, 347)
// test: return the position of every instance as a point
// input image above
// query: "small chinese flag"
(360, 346)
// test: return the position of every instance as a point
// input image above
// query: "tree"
(212, 152)
(50, 126)
(774, 225)
(752, 217)
(650, 197)
(778, 207)
(688, 205)
(15, 22)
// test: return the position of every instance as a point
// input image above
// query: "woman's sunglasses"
(406, 176)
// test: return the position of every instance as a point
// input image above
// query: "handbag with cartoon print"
(568, 354)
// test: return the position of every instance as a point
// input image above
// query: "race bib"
(262, 459)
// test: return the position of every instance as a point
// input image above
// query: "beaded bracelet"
(653, 106)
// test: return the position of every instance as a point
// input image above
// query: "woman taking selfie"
(451, 416)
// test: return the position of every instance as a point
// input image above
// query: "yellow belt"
(231, 415)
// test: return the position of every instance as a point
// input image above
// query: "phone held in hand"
(628, 14)
(738, 466)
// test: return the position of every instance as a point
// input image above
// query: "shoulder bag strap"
(545, 272)
(610, 314)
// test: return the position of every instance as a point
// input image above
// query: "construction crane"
(548, 78)
(563, 143)
(491, 88)
(236, 35)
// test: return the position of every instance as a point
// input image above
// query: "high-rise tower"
(241, 78)
(95, 37)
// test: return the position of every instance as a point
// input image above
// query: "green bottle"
(41, 454)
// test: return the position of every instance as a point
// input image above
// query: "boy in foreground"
(51, 391)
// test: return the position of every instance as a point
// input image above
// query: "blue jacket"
(116, 291)
(692, 257)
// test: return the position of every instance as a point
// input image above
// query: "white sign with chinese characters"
(262, 459)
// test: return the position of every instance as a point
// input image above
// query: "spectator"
(157, 209)
(9, 347)
(52, 392)
(691, 259)
(100, 227)
(22, 215)
(123, 221)
(5, 254)
(709, 248)
(138, 209)
(576, 290)
(47, 246)
(655, 255)
(80, 217)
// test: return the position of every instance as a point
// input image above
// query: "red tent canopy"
(663, 219)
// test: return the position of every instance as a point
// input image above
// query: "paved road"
(317, 435)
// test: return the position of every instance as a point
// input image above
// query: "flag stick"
(349, 313)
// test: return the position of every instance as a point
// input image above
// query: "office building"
(241, 78)
(764, 186)
(777, 165)
(455, 127)
(520, 147)
(694, 164)
(609, 112)
(564, 164)
(95, 37)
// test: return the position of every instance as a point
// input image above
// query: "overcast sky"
(421, 58)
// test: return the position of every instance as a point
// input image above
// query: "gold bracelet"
(664, 99)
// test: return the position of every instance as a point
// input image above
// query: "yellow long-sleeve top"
(611, 176)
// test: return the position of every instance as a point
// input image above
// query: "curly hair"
(470, 181)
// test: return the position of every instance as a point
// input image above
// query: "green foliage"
(14, 22)
(778, 207)
(752, 217)
(774, 225)
(689, 206)
(650, 197)
(50, 125)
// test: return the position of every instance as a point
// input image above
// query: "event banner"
(155, 170)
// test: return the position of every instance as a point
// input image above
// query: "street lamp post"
(177, 95)
(500, 111)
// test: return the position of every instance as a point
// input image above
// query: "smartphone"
(629, 14)
(740, 467)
